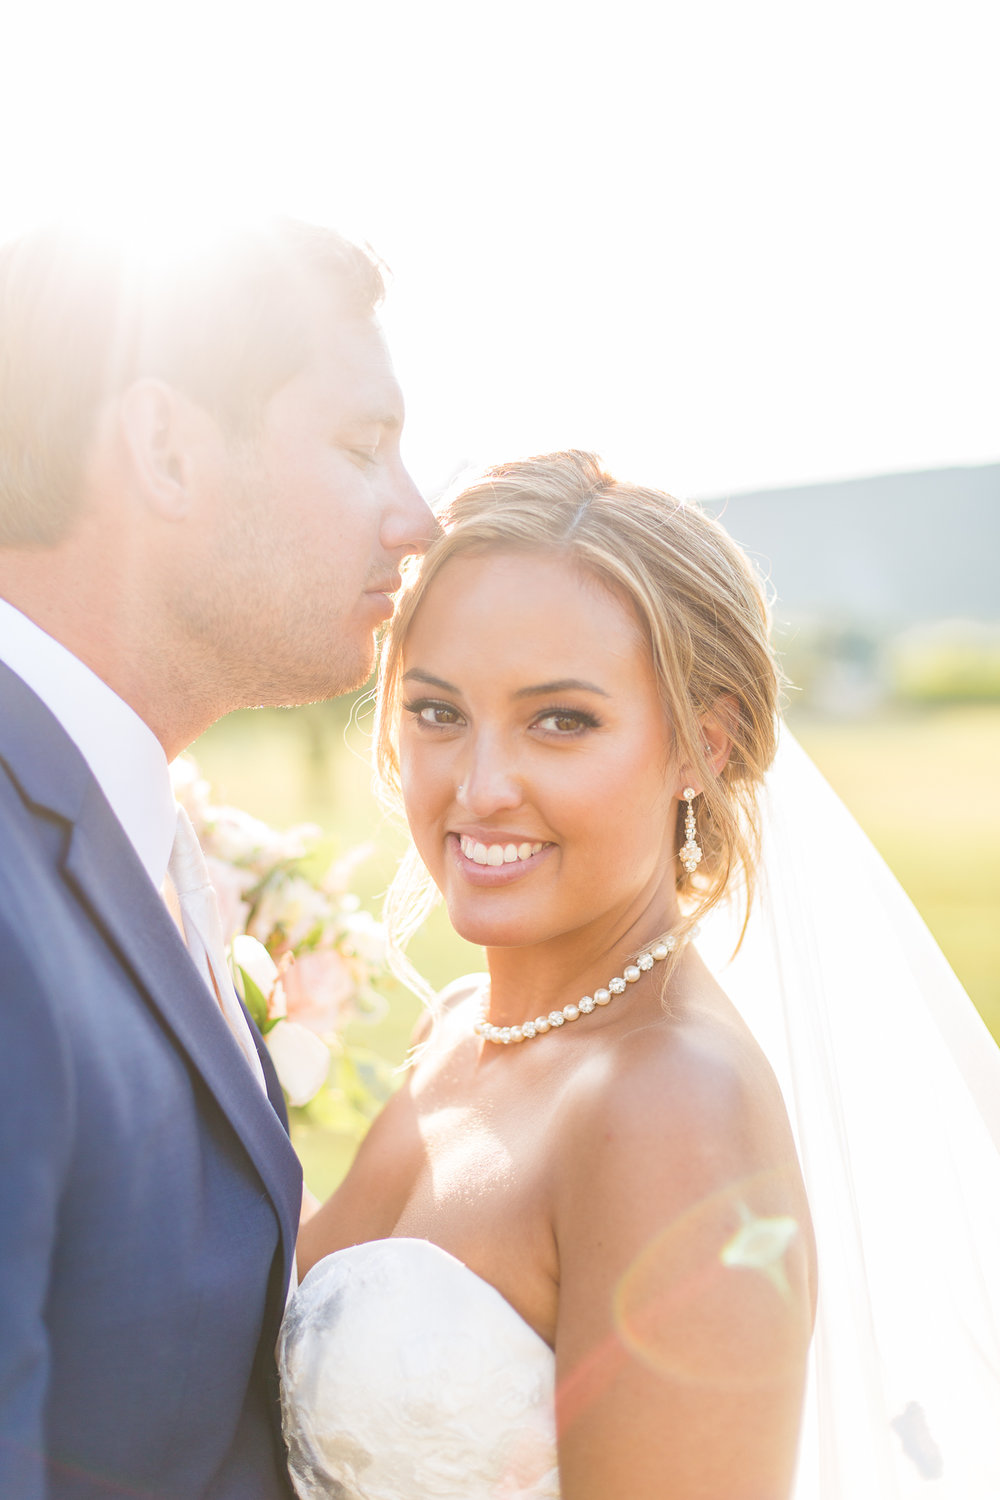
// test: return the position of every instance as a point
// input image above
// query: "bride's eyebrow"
(415, 674)
(561, 685)
(536, 690)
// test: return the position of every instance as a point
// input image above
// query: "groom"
(202, 507)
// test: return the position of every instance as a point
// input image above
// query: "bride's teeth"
(496, 854)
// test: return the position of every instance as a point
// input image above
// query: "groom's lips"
(381, 593)
(389, 585)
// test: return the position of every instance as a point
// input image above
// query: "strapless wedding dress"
(405, 1376)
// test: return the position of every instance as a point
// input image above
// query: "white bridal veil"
(892, 1083)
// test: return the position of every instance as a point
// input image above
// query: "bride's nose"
(488, 781)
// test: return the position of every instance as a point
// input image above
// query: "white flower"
(258, 965)
(235, 836)
(291, 843)
(292, 906)
(338, 876)
(365, 937)
(253, 957)
(300, 1059)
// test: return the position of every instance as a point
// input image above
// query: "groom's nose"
(408, 523)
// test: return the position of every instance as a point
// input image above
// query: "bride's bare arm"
(369, 1201)
(685, 1302)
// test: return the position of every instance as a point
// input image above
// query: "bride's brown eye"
(566, 721)
(430, 711)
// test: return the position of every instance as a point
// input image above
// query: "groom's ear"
(156, 429)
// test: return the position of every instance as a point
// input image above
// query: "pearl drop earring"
(691, 853)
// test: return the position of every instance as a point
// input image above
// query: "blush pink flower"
(319, 988)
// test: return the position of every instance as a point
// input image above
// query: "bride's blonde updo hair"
(698, 602)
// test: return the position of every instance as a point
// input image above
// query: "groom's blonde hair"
(227, 322)
(700, 605)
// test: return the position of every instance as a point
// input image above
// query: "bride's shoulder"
(679, 1117)
(469, 986)
(689, 1099)
(681, 1127)
(465, 991)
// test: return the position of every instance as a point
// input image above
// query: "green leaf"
(256, 1003)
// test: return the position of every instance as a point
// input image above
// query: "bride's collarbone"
(506, 1122)
(511, 1125)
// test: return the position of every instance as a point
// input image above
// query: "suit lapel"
(136, 920)
(106, 872)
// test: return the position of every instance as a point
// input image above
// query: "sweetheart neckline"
(439, 1250)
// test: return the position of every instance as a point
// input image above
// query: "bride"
(574, 1255)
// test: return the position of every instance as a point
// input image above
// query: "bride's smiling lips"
(495, 857)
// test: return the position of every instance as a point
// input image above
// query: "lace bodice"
(405, 1376)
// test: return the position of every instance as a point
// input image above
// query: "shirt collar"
(121, 750)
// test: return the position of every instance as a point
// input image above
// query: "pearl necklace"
(504, 1035)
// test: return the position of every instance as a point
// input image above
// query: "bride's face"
(535, 754)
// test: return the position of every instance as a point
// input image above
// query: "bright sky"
(727, 243)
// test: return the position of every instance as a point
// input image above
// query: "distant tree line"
(846, 668)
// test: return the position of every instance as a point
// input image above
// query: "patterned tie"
(202, 929)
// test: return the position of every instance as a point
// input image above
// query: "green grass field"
(924, 785)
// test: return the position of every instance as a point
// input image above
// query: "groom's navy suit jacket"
(148, 1192)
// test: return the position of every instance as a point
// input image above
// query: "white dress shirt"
(125, 756)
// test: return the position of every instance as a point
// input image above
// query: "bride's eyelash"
(584, 720)
(580, 717)
(417, 706)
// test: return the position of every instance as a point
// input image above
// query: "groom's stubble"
(309, 517)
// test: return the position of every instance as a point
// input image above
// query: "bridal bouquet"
(304, 953)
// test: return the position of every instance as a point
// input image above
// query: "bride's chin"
(488, 932)
(487, 935)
